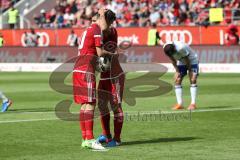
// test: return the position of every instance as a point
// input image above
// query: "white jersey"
(184, 50)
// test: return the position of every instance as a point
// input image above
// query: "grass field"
(31, 131)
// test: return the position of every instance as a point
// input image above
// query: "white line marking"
(103, 150)
(29, 120)
(129, 113)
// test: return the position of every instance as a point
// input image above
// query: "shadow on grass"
(160, 140)
(31, 110)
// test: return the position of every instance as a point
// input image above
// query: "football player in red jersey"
(111, 85)
(84, 81)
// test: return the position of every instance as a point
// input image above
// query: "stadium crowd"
(130, 13)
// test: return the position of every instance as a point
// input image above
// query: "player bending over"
(110, 89)
(184, 60)
(84, 80)
(6, 103)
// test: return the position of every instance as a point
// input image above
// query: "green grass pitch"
(31, 131)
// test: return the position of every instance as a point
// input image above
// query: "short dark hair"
(169, 49)
(110, 16)
(95, 17)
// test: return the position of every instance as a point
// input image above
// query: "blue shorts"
(183, 69)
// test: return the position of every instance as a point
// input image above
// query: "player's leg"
(82, 124)
(90, 142)
(79, 91)
(89, 120)
(90, 104)
(116, 101)
(103, 99)
(178, 86)
(193, 87)
(118, 124)
(84, 94)
(6, 103)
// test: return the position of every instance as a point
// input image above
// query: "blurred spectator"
(1, 40)
(153, 36)
(31, 39)
(13, 16)
(72, 39)
(41, 19)
(60, 20)
(26, 9)
(154, 16)
(232, 37)
(68, 18)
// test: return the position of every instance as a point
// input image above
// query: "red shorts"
(111, 90)
(84, 88)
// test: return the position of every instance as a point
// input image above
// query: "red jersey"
(91, 38)
(110, 42)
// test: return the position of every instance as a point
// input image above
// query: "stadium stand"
(132, 13)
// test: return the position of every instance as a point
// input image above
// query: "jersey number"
(82, 39)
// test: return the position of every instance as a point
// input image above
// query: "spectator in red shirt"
(232, 37)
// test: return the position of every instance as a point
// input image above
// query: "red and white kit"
(84, 80)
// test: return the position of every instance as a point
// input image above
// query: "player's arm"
(98, 42)
(68, 40)
(174, 62)
(188, 63)
(103, 22)
(102, 52)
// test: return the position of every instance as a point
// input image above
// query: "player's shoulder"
(95, 26)
(179, 45)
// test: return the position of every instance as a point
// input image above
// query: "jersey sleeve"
(97, 36)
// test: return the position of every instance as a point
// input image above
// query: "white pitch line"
(129, 113)
(29, 120)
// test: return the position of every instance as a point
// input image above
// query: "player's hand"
(102, 11)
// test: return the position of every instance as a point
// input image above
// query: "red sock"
(89, 116)
(82, 124)
(118, 123)
(105, 121)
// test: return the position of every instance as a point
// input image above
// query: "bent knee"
(178, 80)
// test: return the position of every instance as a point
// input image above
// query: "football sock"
(178, 92)
(82, 124)
(193, 90)
(3, 97)
(105, 121)
(118, 123)
(89, 117)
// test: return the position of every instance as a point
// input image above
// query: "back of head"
(169, 49)
(110, 16)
